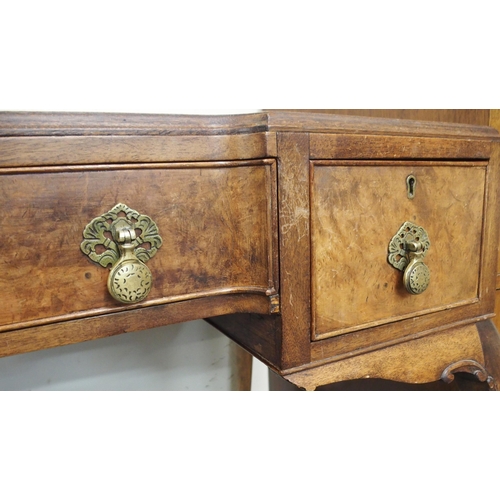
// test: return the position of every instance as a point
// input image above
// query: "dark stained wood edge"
(138, 166)
(471, 367)
(259, 334)
(70, 124)
(241, 368)
(82, 330)
(272, 220)
(295, 234)
(490, 340)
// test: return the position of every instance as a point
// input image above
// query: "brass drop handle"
(123, 239)
(417, 276)
(129, 280)
(407, 251)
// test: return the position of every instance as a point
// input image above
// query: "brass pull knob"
(123, 239)
(407, 251)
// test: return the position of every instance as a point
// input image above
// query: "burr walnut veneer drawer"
(215, 222)
(356, 209)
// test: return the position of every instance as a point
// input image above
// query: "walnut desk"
(332, 248)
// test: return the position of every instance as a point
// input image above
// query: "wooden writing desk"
(283, 230)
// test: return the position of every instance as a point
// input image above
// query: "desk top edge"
(19, 124)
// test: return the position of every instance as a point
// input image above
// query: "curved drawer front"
(215, 221)
(357, 208)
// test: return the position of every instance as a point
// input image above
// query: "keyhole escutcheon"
(411, 184)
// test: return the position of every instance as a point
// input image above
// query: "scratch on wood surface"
(298, 220)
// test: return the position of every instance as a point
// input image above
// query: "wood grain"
(343, 146)
(224, 211)
(216, 226)
(69, 150)
(495, 122)
(491, 230)
(294, 236)
(419, 361)
(111, 124)
(136, 320)
(466, 116)
(357, 125)
(356, 210)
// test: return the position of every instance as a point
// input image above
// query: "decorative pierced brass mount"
(124, 239)
(407, 251)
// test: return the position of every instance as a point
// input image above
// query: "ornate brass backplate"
(124, 239)
(407, 251)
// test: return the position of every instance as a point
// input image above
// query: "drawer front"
(357, 208)
(215, 220)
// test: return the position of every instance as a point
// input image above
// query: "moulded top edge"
(350, 124)
(63, 124)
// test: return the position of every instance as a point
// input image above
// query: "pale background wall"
(191, 356)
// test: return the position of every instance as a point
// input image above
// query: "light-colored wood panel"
(355, 213)
(215, 224)
(26, 151)
(419, 361)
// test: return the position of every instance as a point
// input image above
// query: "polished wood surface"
(69, 150)
(372, 147)
(72, 331)
(357, 209)
(294, 232)
(255, 212)
(212, 245)
(466, 116)
(357, 125)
